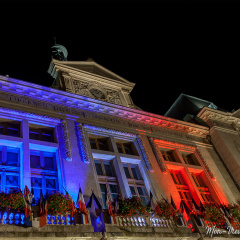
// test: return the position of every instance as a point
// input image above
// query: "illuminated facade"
(85, 130)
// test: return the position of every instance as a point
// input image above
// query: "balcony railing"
(143, 221)
(12, 218)
(60, 220)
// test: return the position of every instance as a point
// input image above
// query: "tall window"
(202, 187)
(182, 187)
(135, 182)
(107, 179)
(9, 168)
(42, 160)
(43, 172)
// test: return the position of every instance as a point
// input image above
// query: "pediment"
(92, 68)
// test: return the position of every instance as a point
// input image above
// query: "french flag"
(28, 201)
(108, 203)
(81, 204)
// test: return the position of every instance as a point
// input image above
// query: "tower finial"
(59, 52)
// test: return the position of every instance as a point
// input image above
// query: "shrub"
(58, 203)
(14, 200)
(132, 207)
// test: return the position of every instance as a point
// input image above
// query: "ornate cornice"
(30, 115)
(219, 118)
(53, 100)
(108, 131)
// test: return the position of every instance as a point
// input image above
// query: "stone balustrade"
(12, 218)
(143, 221)
(60, 220)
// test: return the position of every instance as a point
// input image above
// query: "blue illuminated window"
(12, 157)
(46, 135)
(10, 128)
(51, 185)
(9, 160)
(0, 156)
(12, 181)
(35, 159)
(43, 160)
(36, 184)
(49, 160)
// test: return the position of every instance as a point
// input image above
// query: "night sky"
(167, 48)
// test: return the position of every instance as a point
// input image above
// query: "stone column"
(25, 170)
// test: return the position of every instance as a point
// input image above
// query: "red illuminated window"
(202, 187)
(190, 159)
(170, 156)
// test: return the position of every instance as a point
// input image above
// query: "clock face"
(97, 93)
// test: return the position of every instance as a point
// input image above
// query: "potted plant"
(12, 201)
(132, 207)
(167, 210)
(213, 213)
(58, 204)
(234, 210)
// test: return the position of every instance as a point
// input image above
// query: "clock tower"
(90, 79)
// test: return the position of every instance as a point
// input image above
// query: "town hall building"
(85, 130)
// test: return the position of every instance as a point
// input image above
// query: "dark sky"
(166, 48)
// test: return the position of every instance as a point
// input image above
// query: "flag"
(116, 203)
(154, 205)
(81, 204)
(108, 203)
(27, 208)
(94, 206)
(172, 203)
(96, 215)
(31, 196)
(43, 211)
(71, 200)
(195, 205)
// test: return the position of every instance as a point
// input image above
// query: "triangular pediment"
(94, 68)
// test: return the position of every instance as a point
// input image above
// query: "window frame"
(40, 133)
(5, 127)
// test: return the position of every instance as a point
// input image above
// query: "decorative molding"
(35, 96)
(108, 130)
(68, 82)
(83, 149)
(205, 164)
(64, 141)
(145, 155)
(173, 144)
(20, 113)
(157, 155)
(113, 97)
